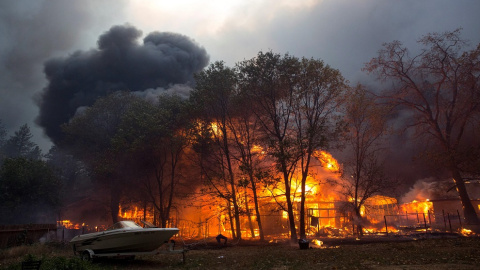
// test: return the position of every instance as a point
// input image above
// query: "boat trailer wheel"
(86, 256)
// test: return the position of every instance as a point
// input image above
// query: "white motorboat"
(123, 237)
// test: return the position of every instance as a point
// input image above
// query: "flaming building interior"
(328, 211)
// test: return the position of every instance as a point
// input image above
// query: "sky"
(38, 37)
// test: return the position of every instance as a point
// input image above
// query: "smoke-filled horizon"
(343, 33)
(120, 63)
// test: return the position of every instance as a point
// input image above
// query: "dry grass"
(15, 255)
(459, 253)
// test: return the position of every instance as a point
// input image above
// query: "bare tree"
(363, 175)
(249, 154)
(440, 86)
(213, 93)
(266, 80)
(318, 96)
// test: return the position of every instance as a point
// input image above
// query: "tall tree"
(249, 154)
(176, 112)
(213, 93)
(30, 191)
(21, 145)
(440, 87)
(68, 170)
(318, 96)
(155, 137)
(266, 80)
(90, 135)
(363, 175)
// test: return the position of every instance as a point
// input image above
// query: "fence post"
(449, 222)
(386, 227)
(444, 219)
(459, 219)
(425, 222)
(429, 218)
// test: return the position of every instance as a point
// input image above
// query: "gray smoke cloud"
(32, 32)
(343, 33)
(120, 63)
(152, 94)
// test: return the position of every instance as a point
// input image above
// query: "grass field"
(452, 253)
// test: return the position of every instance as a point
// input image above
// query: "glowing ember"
(467, 232)
(317, 242)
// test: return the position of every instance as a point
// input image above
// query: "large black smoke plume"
(119, 63)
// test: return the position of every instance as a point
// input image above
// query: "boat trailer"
(90, 255)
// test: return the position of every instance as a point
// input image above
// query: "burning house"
(328, 211)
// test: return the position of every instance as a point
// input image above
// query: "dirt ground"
(373, 253)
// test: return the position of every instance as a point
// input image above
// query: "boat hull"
(123, 241)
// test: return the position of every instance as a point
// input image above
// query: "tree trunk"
(291, 217)
(359, 218)
(305, 165)
(236, 210)
(257, 209)
(232, 181)
(302, 209)
(232, 227)
(468, 209)
(247, 209)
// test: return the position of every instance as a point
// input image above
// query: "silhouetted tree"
(363, 175)
(249, 154)
(68, 169)
(318, 96)
(155, 136)
(90, 136)
(214, 92)
(440, 87)
(266, 80)
(30, 191)
(21, 145)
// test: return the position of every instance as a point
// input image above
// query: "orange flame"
(327, 161)
(418, 207)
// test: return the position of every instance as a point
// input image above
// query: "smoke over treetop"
(119, 63)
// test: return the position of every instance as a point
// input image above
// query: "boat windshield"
(126, 224)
